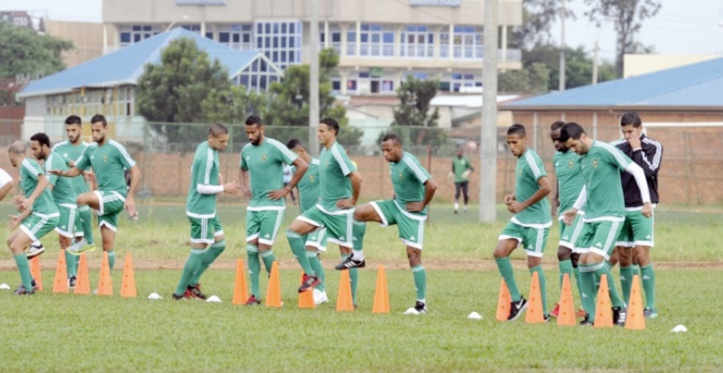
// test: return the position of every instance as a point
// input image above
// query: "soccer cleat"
(185, 296)
(547, 318)
(80, 247)
(253, 301)
(418, 309)
(650, 313)
(320, 297)
(23, 291)
(33, 284)
(619, 316)
(455, 211)
(195, 292)
(71, 282)
(516, 309)
(308, 283)
(35, 250)
(586, 321)
(349, 263)
(555, 311)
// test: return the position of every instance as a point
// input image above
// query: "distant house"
(106, 85)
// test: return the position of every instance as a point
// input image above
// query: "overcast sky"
(681, 27)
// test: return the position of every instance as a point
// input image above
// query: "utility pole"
(314, 81)
(563, 15)
(488, 132)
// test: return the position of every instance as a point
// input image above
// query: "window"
(457, 80)
(136, 33)
(192, 28)
(236, 36)
(417, 41)
(258, 76)
(376, 41)
(351, 43)
(351, 85)
(467, 43)
(280, 41)
(334, 38)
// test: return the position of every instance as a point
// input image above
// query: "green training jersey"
(265, 163)
(109, 163)
(601, 167)
(204, 171)
(63, 191)
(529, 171)
(71, 153)
(459, 166)
(408, 178)
(309, 185)
(334, 169)
(29, 171)
(569, 179)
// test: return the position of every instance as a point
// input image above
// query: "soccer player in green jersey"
(108, 158)
(602, 197)
(207, 239)
(531, 223)
(569, 183)
(70, 150)
(38, 216)
(340, 184)
(414, 188)
(461, 168)
(64, 197)
(309, 196)
(263, 158)
(636, 236)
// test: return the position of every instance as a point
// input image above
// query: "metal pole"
(488, 132)
(563, 14)
(314, 80)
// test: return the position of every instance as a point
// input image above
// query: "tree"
(289, 102)
(24, 52)
(534, 78)
(627, 16)
(414, 120)
(538, 16)
(179, 89)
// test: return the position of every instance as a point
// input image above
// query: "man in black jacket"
(636, 237)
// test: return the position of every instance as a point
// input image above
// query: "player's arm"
(469, 166)
(135, 180)
(301, 167)
(542, 192)
(39, 188)
(569, 215)
(356, 181)
(71, 172)
(244, 177)
(15, 220)
(430, 188)
(555, 199)
(649, 159)
(639, 176)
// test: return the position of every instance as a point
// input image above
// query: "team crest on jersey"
(312, 178)
(105, 157)
(263, 157)
(401, 175)
(570, 163)
(594, 163)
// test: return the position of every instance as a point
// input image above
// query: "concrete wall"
(86, 37)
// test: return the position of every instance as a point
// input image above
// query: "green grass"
(64, 332)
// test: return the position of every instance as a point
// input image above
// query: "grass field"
(64, 332)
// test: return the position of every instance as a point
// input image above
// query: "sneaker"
(32, 283)
(252, 301)
(556, 311)
(35, 250)
(516, 309)
(186, 295)
(320, 297)
(71, 282)
(308, 282)
(581, 313)
(195, 292)
(418, 309)
(619, 316)
(80, 247)
(349, 263)
(23, 291)
(455, 211)
(650, 313)
(586, 321)
(547, 318)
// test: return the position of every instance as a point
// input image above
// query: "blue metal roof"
(125, 66)
(697, 85)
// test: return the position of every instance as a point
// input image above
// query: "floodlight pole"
(488, 132)
(314, 81)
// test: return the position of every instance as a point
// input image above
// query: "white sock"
(456, 206)
(465, 207)
(357, 255)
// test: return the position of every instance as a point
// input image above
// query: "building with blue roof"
(106, 85)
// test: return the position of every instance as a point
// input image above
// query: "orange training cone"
(534, 307)
(82, 284)
(603, 308)
(105, 284)
(566, 317)
(273, 293)
(240, 292)
(636, 318)
(503, 302)
(128, 283)
(343, 298)
(306, 298)
(60, 285)
(36, 273)
(381, 295)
